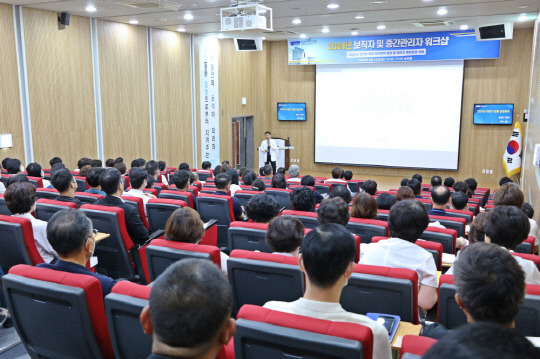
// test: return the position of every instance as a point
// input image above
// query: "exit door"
(243, 142)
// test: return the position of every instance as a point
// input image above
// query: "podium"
(283, 158)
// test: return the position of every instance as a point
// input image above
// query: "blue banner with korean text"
(427, 46)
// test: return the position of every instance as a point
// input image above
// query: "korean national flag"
(512, 155)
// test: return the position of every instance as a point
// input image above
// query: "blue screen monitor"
(493, 114)
(291, 111)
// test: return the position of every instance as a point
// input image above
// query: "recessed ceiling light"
(464, 27)
(354, 33)
(359, 17)
(133, 22)
(297, 21)
(220, 36)
(381, 27)
(325, 30)
(442, 11)
(91, 8)
(188, 17)
(181, 29)
(303, 36)
(263, 38)
(427, 0)
(377, 2)
(522, 17)
(332, 6)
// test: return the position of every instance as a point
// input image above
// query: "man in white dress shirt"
(138, 179)
(327, 258)
(270, 148)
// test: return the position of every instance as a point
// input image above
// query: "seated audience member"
(96, 163)
(249, 177)
(54, 161)
(404, 182)
(13, 166)
(472, 184)
(461, 186)
(508, 195)
(310, 182)
(385, 201)
(417, 177)
(17, 178)
(341, 191)
(34, 170)
(529, 211)
(294, 172)
(284, 235)
(505, 180)
(364, 206)
(333, 210)
(278, 181)
(142, 162)
(84, 161)
(337, 175)
(261, 208)
(121, 166)
(109, 162)
(92, 177)
(436, 181)
(223, 184)
(476, 231)
(225, 166)
(327, 258)
(136, 163)
(20, 198)
(370, 187)
(261, 171)
(404, 192)
(138, 178)
(83, 172)
(258, 185)
(185, 225)
(70, 234)
(459, 200)
(280, 170)
(449, 182)
(241, 171)
(189, 312)
(64, 182)
(112, 184)
(266, 171)
(149, 181)
(118, 160)
(440, 196)
(483, 341)
(4, 162)
(416, 186)
(303, 199)
(162, 165)
(206, 166)
(216, 171)
(152, 167)
(407, 221)
(181, 179)
(235, 180)
(347, 175)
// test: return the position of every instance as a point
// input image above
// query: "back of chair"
(248, 236)
(49, 193)
(416, 345)
(58, 314)
(17, 245)
(3, 206)
(447, 237)
(323, 188)
(531, 257)
(448, 312)
(383, 215)
(138, 203)
(368, 228)
(257, 278)
(451, 222)
(281, 195)
(204, 175)
(265, 333)
(468, 215)
(113, 252)
(309, 219)
(528, 318)
(82, 185)
(527, 246)
(36, 181)
(86, 197)
(244, 196)
(177, 195)
(123, 307)
(46, 208)
(159, 254)
(213, 206)
(354, 186)
(159, 210)
(382, 290)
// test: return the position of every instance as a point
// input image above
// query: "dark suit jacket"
(136, 229)
(69, 199)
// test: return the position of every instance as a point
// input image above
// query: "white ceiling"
(397, 15)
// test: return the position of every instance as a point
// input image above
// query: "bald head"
(440, 195)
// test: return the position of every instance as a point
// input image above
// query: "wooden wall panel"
(172, 96)
(60, 87)
(123, 61)
(10, 105)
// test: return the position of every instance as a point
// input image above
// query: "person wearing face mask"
(327, 258)
(70, 234)
(21, 201)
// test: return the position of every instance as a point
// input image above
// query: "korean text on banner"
(209, 98)
(512, 155)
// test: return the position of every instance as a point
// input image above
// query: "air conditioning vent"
(151, 4)
(434, 23)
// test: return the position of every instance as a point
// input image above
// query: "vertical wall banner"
(209, 98)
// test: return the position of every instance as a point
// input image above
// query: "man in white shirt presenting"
(407, 220)
(270, 148)
(327, 258)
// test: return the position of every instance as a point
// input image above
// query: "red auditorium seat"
(468, 215)
(3, 206)
(213, 206)
(49, 193)
(531, 257)
(527, 246)
(451, 222)
(17, 244)
(204, 175)
(446, 236)
(309, 219)
(159, 210)
(415, 344)
(177, 195)
(46, 208)
(36, 181)
(281, 195)
(86, 197)
(248, 236)
(139, 203)
(323, 188)
(368, 228)
(244, 196)
(82, 185)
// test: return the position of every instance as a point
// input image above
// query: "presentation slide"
(493, 114)
(389, 114)
(291, 111)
